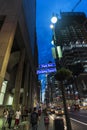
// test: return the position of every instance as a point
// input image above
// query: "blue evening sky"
(45, 9)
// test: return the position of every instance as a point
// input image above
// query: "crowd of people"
(20, 115)
(35, 118)
(9, 115)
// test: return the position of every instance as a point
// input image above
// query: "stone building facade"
(18, 54)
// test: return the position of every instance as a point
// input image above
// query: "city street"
(79, 120)
(43, 65)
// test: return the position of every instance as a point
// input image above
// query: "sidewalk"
(40, 125)
(6, 126)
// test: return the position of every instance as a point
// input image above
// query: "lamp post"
(62, 73)
(52, 26)
(56, 49)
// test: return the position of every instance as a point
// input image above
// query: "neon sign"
(46, 68)
(47, 65)
(50, 70)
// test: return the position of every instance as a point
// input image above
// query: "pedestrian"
(34, 119)
(9, 118)
(17, 118)
(39, 112)
(5, 115)
(46, 121)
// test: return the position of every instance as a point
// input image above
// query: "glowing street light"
(57, 49)
(54, 19)
(52, 26)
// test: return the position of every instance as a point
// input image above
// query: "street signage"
(47, 65)
(46, 68)
(42, 71)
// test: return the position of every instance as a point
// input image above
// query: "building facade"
(71, 35)
(18, 54)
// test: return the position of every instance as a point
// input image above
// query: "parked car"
(59, 111)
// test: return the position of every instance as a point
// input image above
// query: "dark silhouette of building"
(71, 35)
(70, 28)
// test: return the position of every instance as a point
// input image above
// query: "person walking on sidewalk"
(39, 113)
(34, 119)
(17, 118)
(9, 118)
(5, 115)
(46, 121)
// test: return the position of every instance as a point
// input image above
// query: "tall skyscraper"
(71, 35)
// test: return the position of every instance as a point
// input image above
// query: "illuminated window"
(10, 100)
(3, 90)
(1, 98)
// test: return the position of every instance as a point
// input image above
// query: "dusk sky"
(45, 9)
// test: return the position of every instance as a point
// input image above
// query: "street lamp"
(56, 49)
(62, 73)
(54, 19)
(52, 26)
